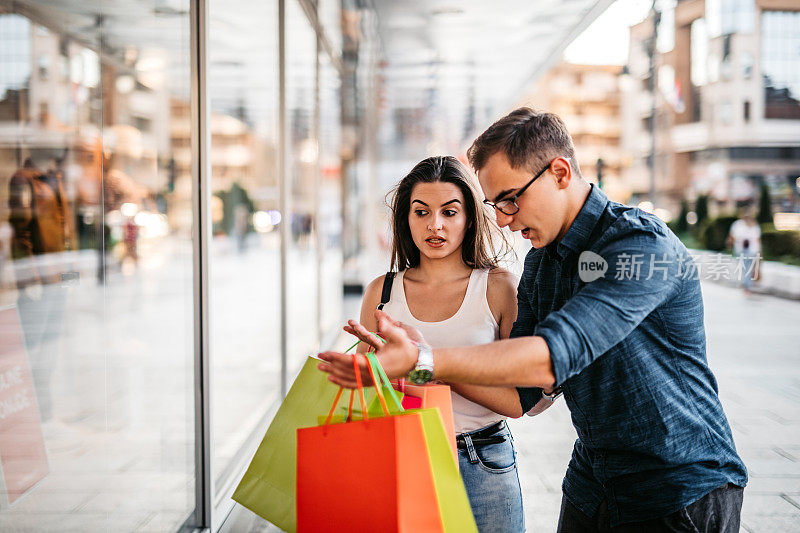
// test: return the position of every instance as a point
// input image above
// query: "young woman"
(449, 288)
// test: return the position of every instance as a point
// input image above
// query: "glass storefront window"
(301, 165)
(780, 63)
(699, 52)
(730, 16)
(245, 247)
(666, 26)
(96, 301)
(330, 203)
(97, 232)
(329, 13)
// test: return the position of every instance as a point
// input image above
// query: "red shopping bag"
(366, 475)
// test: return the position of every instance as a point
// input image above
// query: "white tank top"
(472, 324)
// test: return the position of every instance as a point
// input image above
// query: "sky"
(605, 41)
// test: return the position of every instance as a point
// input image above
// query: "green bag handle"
(385, 380)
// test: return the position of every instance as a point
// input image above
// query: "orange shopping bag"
(366, 475)
(428, 397)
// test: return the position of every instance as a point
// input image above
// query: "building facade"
(712, 104)
(588, 99)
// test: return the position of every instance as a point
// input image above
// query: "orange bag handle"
(362, 400)
(339, 396)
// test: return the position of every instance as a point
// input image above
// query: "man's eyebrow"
(502, 194)
(420, 201)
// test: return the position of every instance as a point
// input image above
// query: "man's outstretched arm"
(524, 361)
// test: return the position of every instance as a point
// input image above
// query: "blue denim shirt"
(629, 350)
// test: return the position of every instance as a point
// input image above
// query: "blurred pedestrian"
(41, 222)
(745, 237)
(130, 239)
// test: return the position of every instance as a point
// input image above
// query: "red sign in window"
(23, 459)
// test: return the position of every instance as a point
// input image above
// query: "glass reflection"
(301, 164)
(330, 197)
(245, 249)
(95, 270)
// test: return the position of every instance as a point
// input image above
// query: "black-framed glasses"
(509, 205)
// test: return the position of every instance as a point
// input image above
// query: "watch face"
(420, 376)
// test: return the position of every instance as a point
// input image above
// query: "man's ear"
(562, 171)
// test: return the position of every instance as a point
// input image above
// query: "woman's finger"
(364, 334)
(367, 340)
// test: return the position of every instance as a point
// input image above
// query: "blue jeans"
(748, 261)
(489, 472)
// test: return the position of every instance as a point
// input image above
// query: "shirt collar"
(577, 236)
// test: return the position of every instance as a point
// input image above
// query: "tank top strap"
(481, 282)
(478, 297)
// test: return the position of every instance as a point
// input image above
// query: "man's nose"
(503, 220)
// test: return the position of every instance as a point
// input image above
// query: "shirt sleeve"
(524, 326)
(643, 272)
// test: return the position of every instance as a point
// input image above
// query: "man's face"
(542, 207)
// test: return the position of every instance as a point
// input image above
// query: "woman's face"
(437, 219)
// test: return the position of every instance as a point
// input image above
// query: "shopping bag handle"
(385, 381)
(379, 378)
(361, 398)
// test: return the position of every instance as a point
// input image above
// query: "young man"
(610, 313)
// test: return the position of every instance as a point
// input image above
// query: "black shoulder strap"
(387, 289)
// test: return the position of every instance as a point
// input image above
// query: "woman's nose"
(436, 223)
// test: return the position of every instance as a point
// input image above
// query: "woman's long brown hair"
(478, 249)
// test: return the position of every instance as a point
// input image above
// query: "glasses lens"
(507, 206)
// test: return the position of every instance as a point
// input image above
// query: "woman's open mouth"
(435, 242)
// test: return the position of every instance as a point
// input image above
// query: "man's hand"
(397, 356)
(355, 328)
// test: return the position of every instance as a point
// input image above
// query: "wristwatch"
(423, 372)
(553, 396)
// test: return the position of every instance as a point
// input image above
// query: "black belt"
(482, 436)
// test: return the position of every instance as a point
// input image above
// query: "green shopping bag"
(454, 504)
(268, 485)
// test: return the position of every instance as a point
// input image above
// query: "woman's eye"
(450, 213)
(420, 212)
